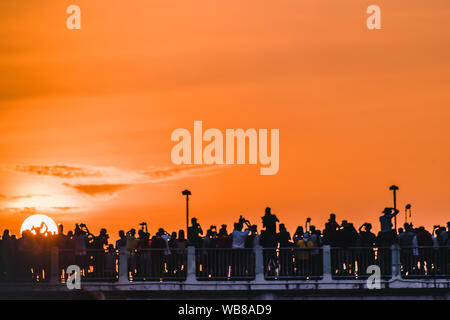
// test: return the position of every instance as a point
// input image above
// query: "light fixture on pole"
(394, 189)
(187, 193)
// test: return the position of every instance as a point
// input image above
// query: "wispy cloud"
(20, 211)
(64, 208)
(98, 189)
(16, 197)
(168, 173)
(106, 182)
(60, 171)
(34, 210)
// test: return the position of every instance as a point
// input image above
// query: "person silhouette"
(367, 237)
(298, 234)
(332, 224)
(386, 219)
(39, 229)
(5, 234)
(61, 230)
(269, 221)
(122, 242)
(331, 232)
(194, 233)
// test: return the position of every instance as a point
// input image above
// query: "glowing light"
(42, 202)
(39, 221)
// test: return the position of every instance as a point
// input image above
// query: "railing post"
(123, 265)
(259, 264)
(326, 250)
(191, 265)
(54, 265)
(396, 263)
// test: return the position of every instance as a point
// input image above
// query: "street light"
(394, 189)
(407, 210)
(187, 193)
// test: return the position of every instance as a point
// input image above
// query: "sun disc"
(36, 221)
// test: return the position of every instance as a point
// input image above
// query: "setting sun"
(46, 224)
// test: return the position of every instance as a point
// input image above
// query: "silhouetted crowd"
(221, 254)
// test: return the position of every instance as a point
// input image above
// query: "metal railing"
(25, 265)
(95, 264)
(157, 264)
(270, 264)
(293, 263)
(425, 262)
(225, 264)
(352, 262)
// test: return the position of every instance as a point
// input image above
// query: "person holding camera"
(158, 254)
(386, 219)
(238, 235)
(366, 241)
(132, 243)
(223, 239)
(240, 257)
(80, 241)
(194, 233)
(98, 245)
(253, 239)
(284, 243)
(269, 221)
(366, 236)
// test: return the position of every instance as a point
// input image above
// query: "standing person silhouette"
(270, 222)
(386, 238)
(122, 242)
(194, 233)
(331, 231)
(98, 244)
(269, 241)
(386, 219)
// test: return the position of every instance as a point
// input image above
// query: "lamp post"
(407, 210)
(394, 189)
(187, 193)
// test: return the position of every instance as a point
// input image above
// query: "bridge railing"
(222, 264)
(352, 262)
(293, 263)
(157, 265)
(269, 264)
(96, 265)
(30, 265)
(425, 262)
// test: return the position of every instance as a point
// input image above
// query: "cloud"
(98, 189)
(168, 173)
(64, 208)
(18, 211)
(27, 211)
(107, 182)
(60, 171)
(15, 197)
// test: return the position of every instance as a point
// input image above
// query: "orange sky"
(93, 110)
